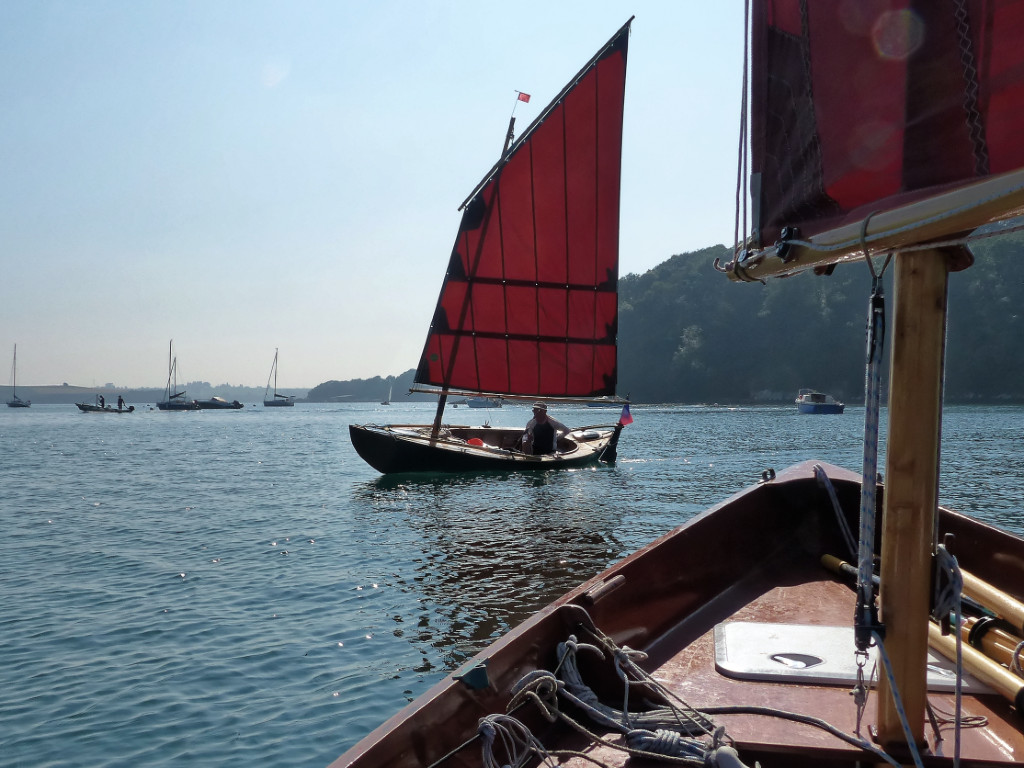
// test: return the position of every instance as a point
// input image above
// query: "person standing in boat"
(542, 432)
(120, 402)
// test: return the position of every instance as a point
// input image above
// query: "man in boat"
(542, 432)
(120, 402)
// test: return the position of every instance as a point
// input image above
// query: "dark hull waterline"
(408, 448)
(89, 408)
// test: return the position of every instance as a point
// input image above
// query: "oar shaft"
(980, 666)
(996, 643)
(1001, 604)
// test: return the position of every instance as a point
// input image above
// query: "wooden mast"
(911, 483)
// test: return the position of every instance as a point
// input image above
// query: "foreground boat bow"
(752, 563)
(730, 627)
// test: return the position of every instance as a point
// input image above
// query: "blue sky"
(241, 175)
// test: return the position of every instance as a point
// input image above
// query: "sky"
(242, 176)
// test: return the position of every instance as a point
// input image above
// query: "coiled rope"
(519, 744)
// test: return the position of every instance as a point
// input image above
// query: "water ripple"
(219, 587)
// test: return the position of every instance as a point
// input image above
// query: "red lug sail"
(860, 107)
(529, 303)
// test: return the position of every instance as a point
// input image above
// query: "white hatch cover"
(802, 653)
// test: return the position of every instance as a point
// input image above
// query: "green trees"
(688, 334)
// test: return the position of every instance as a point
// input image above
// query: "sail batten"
(529, 302)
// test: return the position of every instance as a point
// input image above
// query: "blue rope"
(866, 618)
(898, 702)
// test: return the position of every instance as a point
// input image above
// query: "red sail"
(860, 106)
(529, 303)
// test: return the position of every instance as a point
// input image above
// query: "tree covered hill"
(687, 334)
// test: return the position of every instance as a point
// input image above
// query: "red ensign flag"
(524, 96)
(626, 417)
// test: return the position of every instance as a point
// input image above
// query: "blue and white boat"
(809, 401)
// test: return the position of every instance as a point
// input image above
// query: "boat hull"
(18, 403)
(809, 401)
(278, 403)
(756, 557)
(90, 408)
(178, 405)
(826, 408)
(218, 405)
(395, 449)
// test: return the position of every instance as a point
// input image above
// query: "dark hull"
(754, 558)
(827, 408)
(218, 405)
(17, 403)
(88, 408)
(278, 403)
(408, 448)
(178, 405)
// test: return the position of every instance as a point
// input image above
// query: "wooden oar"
(1006, 607)
(843, 568)
(980, 666)
(985, 635)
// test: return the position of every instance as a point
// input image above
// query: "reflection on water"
(495, 547)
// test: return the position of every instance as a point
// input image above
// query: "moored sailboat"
(173, 399)
(15, 401)
(276, 400)
(721, 627)
(529, 307)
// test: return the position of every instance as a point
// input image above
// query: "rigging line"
(596, 220)
(459, 330)
(866, 617)
(568, 246)
(504, 295)
(949, 584)
(972, 114)
(898, 701)
(864, 247)
(741, 164)
(536, 276)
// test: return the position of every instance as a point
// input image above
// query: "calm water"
(197, 588)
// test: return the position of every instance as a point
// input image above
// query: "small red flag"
(524, 96)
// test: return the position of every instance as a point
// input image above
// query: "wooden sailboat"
(15, 401)
(277, 400)
(528, 309)
(173, 399)
(734, 631)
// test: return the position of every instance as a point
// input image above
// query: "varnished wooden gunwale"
(754, 557)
